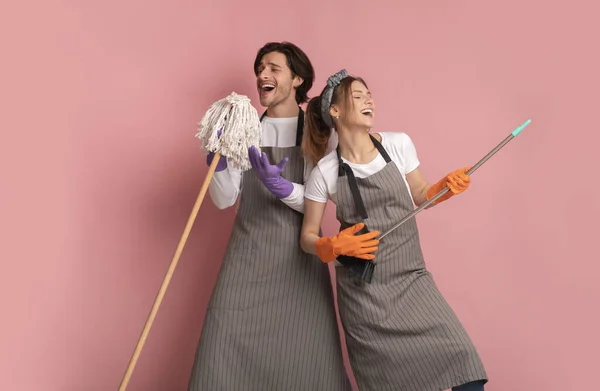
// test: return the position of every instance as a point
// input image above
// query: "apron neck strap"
(345, 169)
(381, 150)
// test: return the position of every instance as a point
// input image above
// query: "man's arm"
(290, 193)
(296, 199)
(224, 188)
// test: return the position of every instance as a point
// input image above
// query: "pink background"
(100, 169)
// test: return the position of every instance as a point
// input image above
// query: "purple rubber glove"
(222, 164)
(269, 174)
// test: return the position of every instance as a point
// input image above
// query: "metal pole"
(469, 172)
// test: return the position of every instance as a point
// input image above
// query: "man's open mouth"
(267, 87)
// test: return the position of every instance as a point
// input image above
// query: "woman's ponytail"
(316, 132)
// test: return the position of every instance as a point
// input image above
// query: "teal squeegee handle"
(513, 134)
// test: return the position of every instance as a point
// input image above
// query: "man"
(270, 322)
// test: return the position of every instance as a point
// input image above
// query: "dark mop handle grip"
(469, 172)
(361, 268)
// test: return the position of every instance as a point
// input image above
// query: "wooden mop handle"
(170, 271)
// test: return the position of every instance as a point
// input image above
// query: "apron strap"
(345, 169)
(299, 127)
(381, 150)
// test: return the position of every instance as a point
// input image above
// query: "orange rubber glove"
(346, 243)
(457, 181)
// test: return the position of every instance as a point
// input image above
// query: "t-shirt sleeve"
(316, 187)
(409, 152)
(402, 150)
(225, 187)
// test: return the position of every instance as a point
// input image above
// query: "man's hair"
(297, 61)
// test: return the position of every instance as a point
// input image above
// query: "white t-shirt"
(226, 185)
(322, 183)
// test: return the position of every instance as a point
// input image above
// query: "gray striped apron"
(401, 333)
(270, 322)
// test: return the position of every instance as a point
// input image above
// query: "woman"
(401, 333)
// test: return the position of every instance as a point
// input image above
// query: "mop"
(364, 269)
(229, 127)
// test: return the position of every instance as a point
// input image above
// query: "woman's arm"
(313, 216)
(457, 181)
(418, 186)
(328, 248)
(421, 190)
(404, 150)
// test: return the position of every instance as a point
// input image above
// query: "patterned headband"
(332, 82)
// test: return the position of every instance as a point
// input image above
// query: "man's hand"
(270, 174)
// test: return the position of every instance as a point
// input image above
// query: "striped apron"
(270, 322)
(401, 333)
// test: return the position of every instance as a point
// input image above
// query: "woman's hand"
(344, 243)
(347, 243)
(457, 181)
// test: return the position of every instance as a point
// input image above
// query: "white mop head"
(240, 128)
